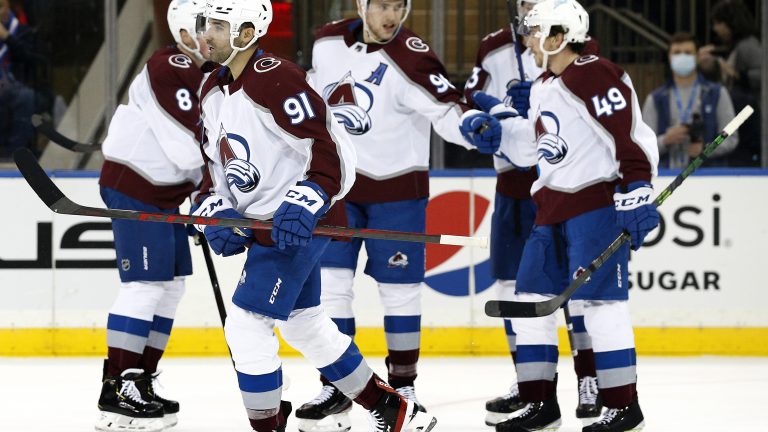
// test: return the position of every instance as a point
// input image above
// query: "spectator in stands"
(736, 28)
(17, 101)
(689, 110)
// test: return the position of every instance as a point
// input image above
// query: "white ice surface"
(676, 394)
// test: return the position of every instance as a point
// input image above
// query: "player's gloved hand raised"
(520, 96)
(481, 130)
(295, 220)
(225, 241)
(635, 211)
(493, 106)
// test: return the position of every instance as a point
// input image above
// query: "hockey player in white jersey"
(387, 87)
(497, 74)
(596, 159)
(152, 163)
(276, 152)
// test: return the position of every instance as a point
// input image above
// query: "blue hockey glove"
(635, 211)
(493, 106)
(297, 216)
(481, 130)
(520, 97)
(224, 241)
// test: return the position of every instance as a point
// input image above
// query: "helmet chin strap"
(546, 53)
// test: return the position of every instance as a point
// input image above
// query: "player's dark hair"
(577, 47)
(681, 37)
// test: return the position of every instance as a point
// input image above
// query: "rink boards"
(698, 287)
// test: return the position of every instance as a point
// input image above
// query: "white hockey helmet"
(363, 10)
(237, 13)
(182, 15)
(568, 14)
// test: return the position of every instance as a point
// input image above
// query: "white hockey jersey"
(152, 150)
(589, 137)
(386, 96)
(268, 130)
(494, 72)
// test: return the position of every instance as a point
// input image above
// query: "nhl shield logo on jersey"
(551, 146)
(235, 156)
(399, 259)
(350, 103)
(125, 264)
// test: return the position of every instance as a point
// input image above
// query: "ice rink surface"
(676, 394)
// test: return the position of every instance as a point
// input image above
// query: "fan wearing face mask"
(688, 111)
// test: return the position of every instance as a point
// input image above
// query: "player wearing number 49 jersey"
(152, 163)
(596, 159)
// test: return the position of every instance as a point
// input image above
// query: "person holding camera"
(688, 111)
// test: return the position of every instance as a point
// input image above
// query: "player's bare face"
(216, 36)
(189, 42)
(532, 42)
(383, 18)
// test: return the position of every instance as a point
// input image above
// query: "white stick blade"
(734, 124)
(481, 242)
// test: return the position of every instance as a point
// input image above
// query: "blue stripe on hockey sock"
(162, 325)
(402, 324)
(508, 328)
(578, 324)
(260, 383)
(536, 353)
(344, 365)
(128, 325)
(345, 325)
(616, 359)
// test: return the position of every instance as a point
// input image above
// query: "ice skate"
(394, 413)
(590, 403)
(123, 409)
(538, 416)
(502, 407)
(629, 418)
(328, 412)
(147, 384)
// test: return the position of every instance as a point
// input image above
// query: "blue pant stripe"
(345, 365)
(402, 324)
(162, 325)
(345, 325)
(537, 354)
(260, 383)
(616, 359)
(129, 325)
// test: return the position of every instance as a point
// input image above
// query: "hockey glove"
(297, 216)
(520, 97)
(224, 241)
(482, 130)
(635, 211)
(493, 106)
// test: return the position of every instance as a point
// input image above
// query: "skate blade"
(338, 422)
(587, 421)
(421, 422)
(493, 418)
(170, 420)
(113, 422)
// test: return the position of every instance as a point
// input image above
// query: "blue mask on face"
(683, 64)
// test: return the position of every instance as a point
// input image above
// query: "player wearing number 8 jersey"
(152, 163)
(596, 159)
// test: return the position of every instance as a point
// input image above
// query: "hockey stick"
(512, 17)
(203, 243)
(55, 199)
(515, 309)
(44, 125)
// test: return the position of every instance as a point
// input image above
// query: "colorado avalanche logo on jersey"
(240, 173)
(551, 146)
(350, 103)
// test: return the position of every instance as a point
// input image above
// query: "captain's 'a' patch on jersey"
(235, 156)
(350, 103)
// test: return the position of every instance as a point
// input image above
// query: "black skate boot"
(590, 403)
(123, 408)
(394, 413)
(409, 392)
(146, 385)
(502, 407)
(538, 416)
(331, 403)
(625, 419)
